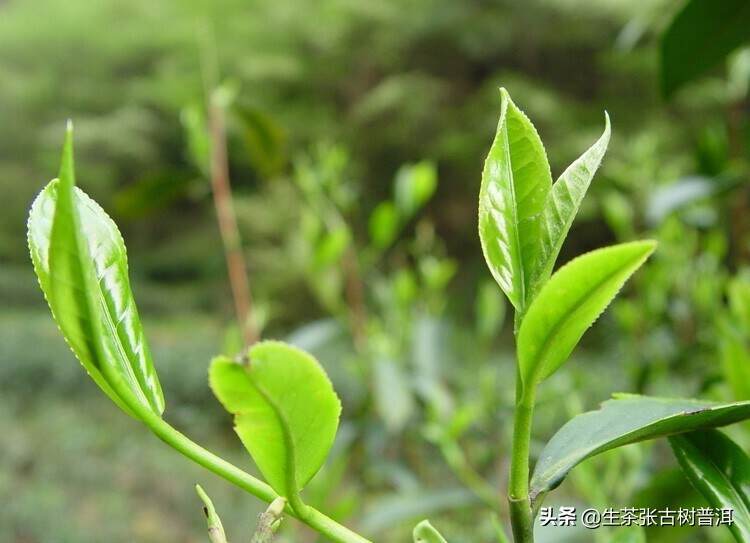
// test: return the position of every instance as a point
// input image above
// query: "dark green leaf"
(701, 36)
(286, 411)
(515, 183)
(570, 302)
(720, 470)
(623, 420)
(81, 263)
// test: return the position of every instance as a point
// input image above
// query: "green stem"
(181, 443)
(521, 517)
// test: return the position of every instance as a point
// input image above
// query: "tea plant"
(285, 409)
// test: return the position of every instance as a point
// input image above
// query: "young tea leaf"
(623, 420)
(424, 532)
(720, 470)
(515, 183)
(562, 206)
(569, 303)
(286, 411)
(80, 260)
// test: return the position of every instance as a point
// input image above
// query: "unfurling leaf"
(515, 183)
(80, 260)
(286, 411)
(626, 419)
(720, 470)
(562, 206)
(424, 532)
(569, 303)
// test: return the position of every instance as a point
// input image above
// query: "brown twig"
(222, 191)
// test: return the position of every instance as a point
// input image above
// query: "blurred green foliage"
(356, 137)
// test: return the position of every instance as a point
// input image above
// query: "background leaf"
(720, 470)
(515, 183)
(414, 186)
(80, 260)
(286, 411)
(623, 420)
(699, 37)
(562, 206)
(570, 302)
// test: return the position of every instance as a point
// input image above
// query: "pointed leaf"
(626, 419)
(515, 183)
(562, 206)
(570, 302)
(81, 263)
(720, 470)
(424, 532)
(286, 411)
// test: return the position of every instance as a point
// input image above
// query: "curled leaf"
(286, 411)
(80, 260)
(515, 183)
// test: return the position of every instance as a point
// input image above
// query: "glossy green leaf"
(720, 470)
(414, 186)
(80, 260)
(424, 532)
(700, 36)
(570, 302)
(625, 419)
(286, 411)
(562, 206)
(515, 183)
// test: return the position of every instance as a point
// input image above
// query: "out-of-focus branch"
(222, 190)
(230, 235)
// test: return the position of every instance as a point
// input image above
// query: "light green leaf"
(515, 183)
(569, 303)
(623, 420)
(286, 411)
(414, 186)
(562, 206)
(384, 224)
(701, 35)
(720, 470)
(424, 532)
(80, 260)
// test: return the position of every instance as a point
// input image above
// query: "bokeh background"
(356, 133)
